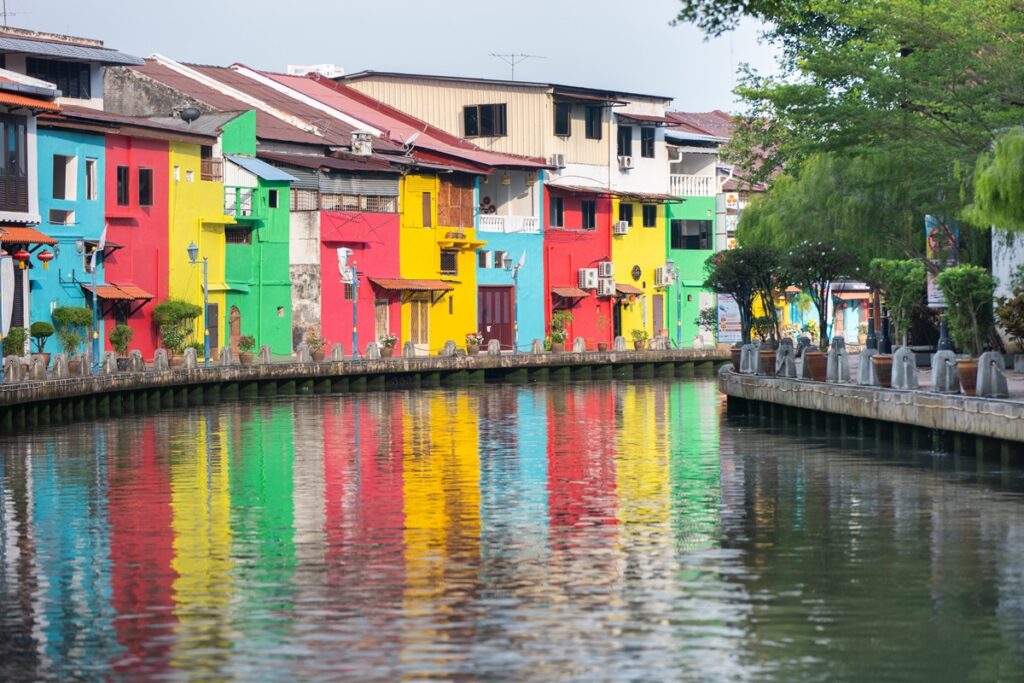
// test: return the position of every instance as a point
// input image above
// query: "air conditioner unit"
(606, 286)
(588, 278)
(605, 269)
(558, 160)
(625, 162)
(362, 144)
(620, 228)
(661, 277)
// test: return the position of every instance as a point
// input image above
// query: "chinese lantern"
(21, 256)
(45, 257)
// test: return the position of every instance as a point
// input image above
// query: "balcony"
(693, 185)
(211, 169)
(239, 202)
(509, 224)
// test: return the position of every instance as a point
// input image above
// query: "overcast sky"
(596, 43)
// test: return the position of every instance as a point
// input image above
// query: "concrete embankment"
(951, 422)
(26, 405)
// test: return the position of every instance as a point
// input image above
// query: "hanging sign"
(942, 245)
(730, 330)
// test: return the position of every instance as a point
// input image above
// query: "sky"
(610, 44)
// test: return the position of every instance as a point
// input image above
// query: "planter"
(736, 354)
(245, 357)
(767, 362)
(45, 357)
(557, 347)
(75, 367)
(387, 351)
(175, 362)
(968, 369)
(639, 345)
(882, 364)
(122, 364)
(318, 356)
(602, 346)
(472, 349)
(817, 363)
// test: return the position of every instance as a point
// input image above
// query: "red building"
(577, 235)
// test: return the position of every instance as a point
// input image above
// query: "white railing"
(693, 185)
(509, 224)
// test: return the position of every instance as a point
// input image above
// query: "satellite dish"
(189, 114)
(411, 139)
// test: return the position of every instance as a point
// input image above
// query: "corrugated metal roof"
(403, 285)
(370, 164)
(715, 123)
(628, 289)
(130, 125)
(209, 123)
(118, 292)
(580, 189)
(645, 118)
(570, 292)
(63, 50)
(261, 169)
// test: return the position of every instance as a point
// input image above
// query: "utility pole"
(515, 58)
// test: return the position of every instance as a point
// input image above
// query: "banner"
(942, 245)
(730, 330)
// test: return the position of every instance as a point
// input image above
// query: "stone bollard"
(408, 350)
(60, 366)
(135, 361)
(160, 363)
(302, 354)
(109, 364)
(865, 370)
(698, 342)
(945, 376)
(619, 344)
(1018, 363)
(493, 347)
(536, 346)
(12, 369)
(838, 367)
(225, 357)
(373, 351)
(657, 344)
(450, 349)
(191, 362)
(992, 376)
(337, 352)
(37, 369)
(264, 357)
(750, 361)
(802, 343)
(785, 361)
(87, 361)
(579, 344)
(787, 341)
(904, 369)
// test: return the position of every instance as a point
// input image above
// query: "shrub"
(708, 321)
(72, 324)
(969, 291)
(638, 335)
(175, 319)
(40, 331)
(903, 284)
(315, 342)
(120, 337)
(1010, 310)
(559, 321)
(14, 342)
(246, 343)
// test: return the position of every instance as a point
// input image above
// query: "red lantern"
(45, 257)
(21, 256)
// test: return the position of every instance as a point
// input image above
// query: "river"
(621, 531)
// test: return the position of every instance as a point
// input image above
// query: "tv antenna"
(514, 58)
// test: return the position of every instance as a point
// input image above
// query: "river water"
(621, 531)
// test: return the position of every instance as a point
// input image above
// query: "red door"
(496, 315)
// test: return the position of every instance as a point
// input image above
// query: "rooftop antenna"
(514, 58)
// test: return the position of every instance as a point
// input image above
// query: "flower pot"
(387, 351)
(45, 357)
(557, 347)
(602, 346)
(639, 345)
(736, 354)
(968, 369)
(175, 362)
(75, 368)
(245, 357)
(122, 364)
(817, 363)
(882, 364)
(472, 349)
(767, 362)
(317, 356)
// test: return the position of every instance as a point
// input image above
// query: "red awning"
(18, 234)
(570, 292)
(11, 100)
(118, 292)
(402, 285)
(628, 289)
(852, 295)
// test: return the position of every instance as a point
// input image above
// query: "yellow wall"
(644, 247)
(454, 314)
(193, 205)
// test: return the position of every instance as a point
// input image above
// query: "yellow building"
(196, 215)
(437, 252)
(640, 251)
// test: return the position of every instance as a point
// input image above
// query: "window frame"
(626, 213)
(563, 110)
(679, 238)
(146, 189)
(594, 124)
(454, 255)
(624, 141)
(652, 210)
(124, 183)
(556, 212)
(498, 118)
(73, 79)
(91, 178)
(588, 214)
(273, 200)
(647, 138)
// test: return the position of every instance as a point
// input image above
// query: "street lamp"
(670, 266)
(193, 254)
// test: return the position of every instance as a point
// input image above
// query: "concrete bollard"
(656, 344)
(160, 363)
(264, 357)
(619, 344)
(109, 364)
(37, 369)
(803, 342)
(579, 344)
(785, 361)
(225, 359)
(493, 347)
(87, 361)
(373, 351)
(12, 369)
(750, 361)
(408, 350)
(337, 352)
(838, 367)
(191, 362)
(450, 349)
(865, 370)
(302, 354)
(60, 366)
(904, 369)
(992, 376)
(135, 361)
(945, 376)
(536, 346)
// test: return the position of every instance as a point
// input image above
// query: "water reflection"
(601, 531)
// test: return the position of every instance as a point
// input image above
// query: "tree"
(968, 290)
(903, 283)
(999, 184)
(813, 267)
(175, 318)
(72, 326)
(1010, 310)
(741, 273)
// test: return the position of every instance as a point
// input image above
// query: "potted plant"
(120, 337)
(1010, 312)
(473, 342)
(602, 346)
(639, 339)
(387, 344)
(198, 347)
(40, 331)
(175, 319)
(559, 321)
(969, 294)
(316, 346)
(246, 343)
(14, 342)
(72, 323)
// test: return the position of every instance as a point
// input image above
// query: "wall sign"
(636, 273)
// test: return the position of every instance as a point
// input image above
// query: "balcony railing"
(693, 185)
(509, 224)
(211, 169)
(238, 202)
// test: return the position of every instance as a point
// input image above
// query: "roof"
(261, 169)
(347, 162)
(19, 234)
(11, 100)
(137, 126)
(209, 123)
(118, 292)
(403, 285)
(646, 196)
(64, 48)
(715, 123)
(570, 292)
(580, 189)
(628, 289)
(645, 118)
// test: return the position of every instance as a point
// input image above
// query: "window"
(145, 187)
(190, 176)
(689, 234)
(427, 223)
(210, 168)
(177, 173)
(13, 164)
(647, 142)
(236, 235)
(304, 200)
(499, 259)
(484, 259)
(123, 183)
(350, 292)
(557, 218)
(588, 209)
(64, 172)
(625, 141)
(91, 188)
(272, 199)
(484, 120)
(593, 121)
(61, 217)
(626, 213)
(650, 215)
(71, 78)
(450, 261)
(563, 119)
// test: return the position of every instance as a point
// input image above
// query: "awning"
(461, 243)
(851, 295)
(9, 99)
(570, 292)
(648, 197)
(129, 297)
(644, 119)
(262, 169)
(580, 189)
(16, 234)
(628, 290)
(436, 288)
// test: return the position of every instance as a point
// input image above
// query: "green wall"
(239, 135)
(685, 294)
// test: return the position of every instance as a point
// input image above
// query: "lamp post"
(355, 311)
(670, 264)
(80, 248)
(193, 254)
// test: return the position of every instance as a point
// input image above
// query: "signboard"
(730, 330)
(942, 244)
(731, 221)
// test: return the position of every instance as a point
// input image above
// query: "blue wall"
(60, 285)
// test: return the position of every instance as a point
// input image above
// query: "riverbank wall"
(920, 419)
(32, 404)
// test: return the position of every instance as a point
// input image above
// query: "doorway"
(419, 326)
(213, 314)
(617, 319)
(234, 328)
(658, 306)
(496, 315)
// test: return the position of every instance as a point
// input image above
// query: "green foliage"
(40, 331)
(14, 342)
(968, 290)
(903, 284)
(175, 319)
(198, 346)
(1010, 310)
(638, 335)
(999, 184)
(707, 320)
(744, 273)
(813, 267)
(559, 321)
(763, 328)
(120, 338)
(246, 343)
(315, 342)
(72, 324)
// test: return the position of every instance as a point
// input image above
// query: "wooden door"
(214, 326)
(496, 315)
(419, 326)
(658, 303)
(381, 318)
(234, 328)
(617, 320)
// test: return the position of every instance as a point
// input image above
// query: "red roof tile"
(118, 292)
(12, 100)
(19, 234)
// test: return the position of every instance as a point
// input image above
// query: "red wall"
(373, 238)
(570, 248)
(142, 230)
